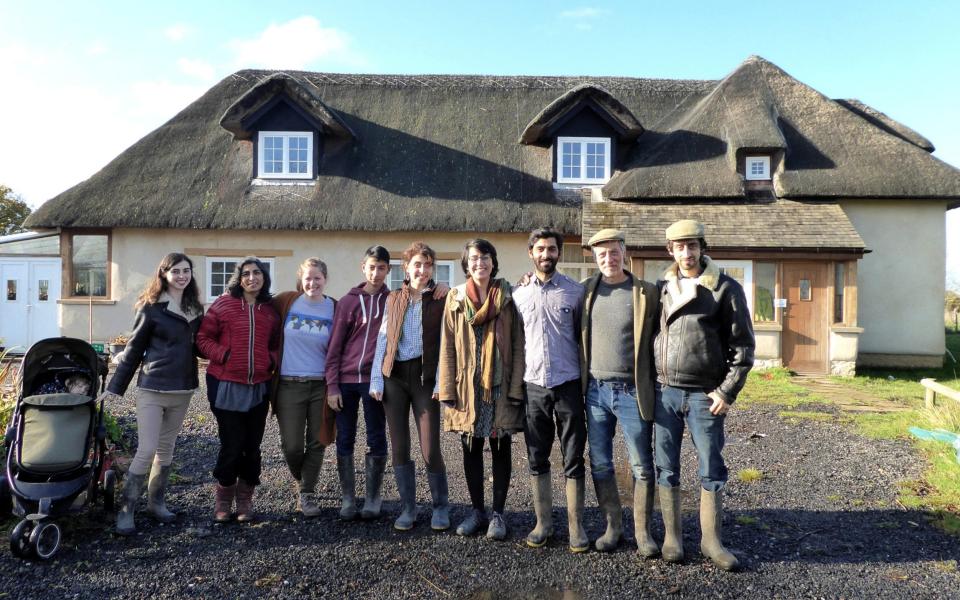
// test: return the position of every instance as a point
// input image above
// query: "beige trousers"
(159, 419)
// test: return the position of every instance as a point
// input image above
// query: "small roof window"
(757, 168)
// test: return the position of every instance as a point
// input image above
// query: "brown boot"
(711, 518)
(244, 501)
(223, 502)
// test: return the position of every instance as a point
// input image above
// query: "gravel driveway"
(823, 522)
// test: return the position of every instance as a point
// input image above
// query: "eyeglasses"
(484, 258)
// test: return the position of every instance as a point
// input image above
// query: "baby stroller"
(56, 442)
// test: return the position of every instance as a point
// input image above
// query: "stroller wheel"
(20, 539)
(109, 490)
(45, 540)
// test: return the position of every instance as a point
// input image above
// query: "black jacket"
(162, 346)
(706, 339)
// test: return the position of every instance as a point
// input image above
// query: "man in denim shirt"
(550, 305)
(619, 315)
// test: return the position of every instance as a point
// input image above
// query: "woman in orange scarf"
(481, 379)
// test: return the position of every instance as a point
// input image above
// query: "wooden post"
(928, 397)
(90, 319)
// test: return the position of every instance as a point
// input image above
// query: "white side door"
(44, 291)
(14, 327)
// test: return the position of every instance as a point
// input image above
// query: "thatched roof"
(243, 112)
(831, 149)
(433, 153)
(441, 152)
(773, 225)
(538, 130)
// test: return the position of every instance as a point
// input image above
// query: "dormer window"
(757, 168)
(583, 160)
(285, 155)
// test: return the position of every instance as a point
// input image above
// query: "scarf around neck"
(483, 312)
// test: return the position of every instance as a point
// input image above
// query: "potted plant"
(118, 344)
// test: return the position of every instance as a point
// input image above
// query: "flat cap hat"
(685, 229)
(607, 235)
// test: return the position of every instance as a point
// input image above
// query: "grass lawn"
(938, 491)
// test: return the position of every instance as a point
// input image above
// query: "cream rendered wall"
(136, 253)
(901, 282)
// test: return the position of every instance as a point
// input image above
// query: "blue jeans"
(673, 408)
(351, 394)
(607, 403)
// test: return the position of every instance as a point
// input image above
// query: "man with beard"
(550, 305)
(704, 350)
(619, 318)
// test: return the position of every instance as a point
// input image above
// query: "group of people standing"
(549, 357)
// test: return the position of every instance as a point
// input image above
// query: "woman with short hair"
(240, 335)
(161, 347)
(481, 379)
(404, 377)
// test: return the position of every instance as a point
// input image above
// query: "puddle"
(535, 594)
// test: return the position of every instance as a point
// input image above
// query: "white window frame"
(396, 266)
(747, 266)
(748, 168)
(583, 160)
(285, 135)
(208, 273)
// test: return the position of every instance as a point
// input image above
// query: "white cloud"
(155, 102)
(177, 32)
(296, 44)
(196, 68)
(97, 48)
(585, 12)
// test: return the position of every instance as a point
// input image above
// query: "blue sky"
(106, 73)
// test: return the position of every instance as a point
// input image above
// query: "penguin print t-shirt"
(306, 335)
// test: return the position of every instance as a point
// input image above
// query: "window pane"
(43, 291)
(805, 292)
(44, 245)
(654, 269)
(441, 274)
(765, 277)
(396, 275)
(11, 290)
(838, 293)
(735, 272)
(89, 265)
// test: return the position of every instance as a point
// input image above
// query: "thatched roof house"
(816, 205)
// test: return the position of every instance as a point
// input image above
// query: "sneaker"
(472, 523)
(498, 528)
(308, 505)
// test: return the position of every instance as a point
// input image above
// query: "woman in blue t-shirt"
(300, 400)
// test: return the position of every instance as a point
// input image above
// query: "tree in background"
(13, 211)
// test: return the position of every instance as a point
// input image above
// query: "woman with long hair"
(300, 391)
(240, 335)
(161, 347)
(481, 379)
(404, 377)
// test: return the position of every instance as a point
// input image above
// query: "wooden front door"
(806, 332)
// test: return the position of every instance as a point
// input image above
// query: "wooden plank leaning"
(932, 388)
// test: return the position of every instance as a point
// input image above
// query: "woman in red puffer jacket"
(240, 336)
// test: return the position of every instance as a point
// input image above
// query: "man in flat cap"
(550, 305)
(619, 318)
(704, 350)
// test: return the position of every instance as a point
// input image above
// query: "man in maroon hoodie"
(353, 341)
